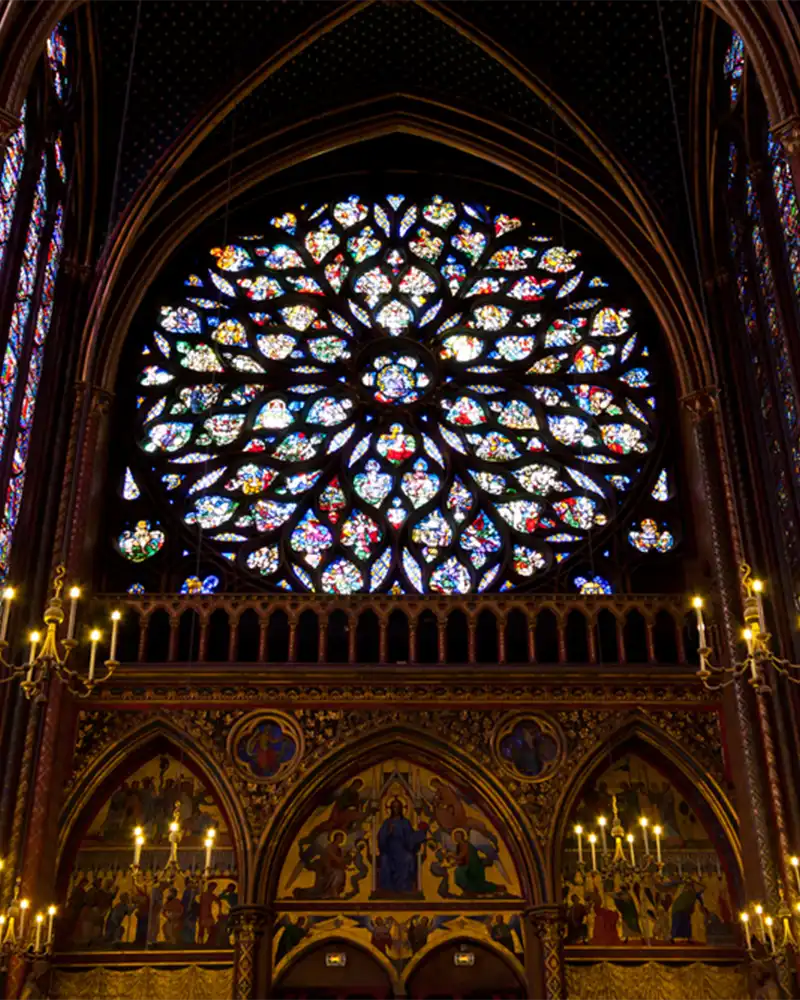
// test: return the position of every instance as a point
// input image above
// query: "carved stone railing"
(318, 628)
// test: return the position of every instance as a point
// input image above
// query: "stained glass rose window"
(408, 395)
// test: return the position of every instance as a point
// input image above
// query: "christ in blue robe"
(398, 844)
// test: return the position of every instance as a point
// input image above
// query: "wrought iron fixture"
(49, 653)
(23, 934)
(622, 862)
(757, 640)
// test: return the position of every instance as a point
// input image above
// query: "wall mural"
(185, 884)
(399, 935)
(686, 901)
(398, 832)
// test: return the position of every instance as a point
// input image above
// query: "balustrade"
(541, 629)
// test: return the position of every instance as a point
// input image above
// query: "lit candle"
(209, 842)
(23, 906)
(657, 832)
(34, 639)
(592, 845)
(94, 636)
(601, 822)
(74, 595)
(115, 619)
(697, 604)
(768, 922)
(138, 841)
(795, 862)
(8, 597)
(39, 922)
(2, 926)
(746, 924)
(643, 825)
(760, 915)
(758, 587)
(51, 913)
(174, 830)
(579, 835)
(629, 838)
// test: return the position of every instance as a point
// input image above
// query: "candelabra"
(775, 933)
(49, 653)
(757, 641)
(621, 862)
(22, 935)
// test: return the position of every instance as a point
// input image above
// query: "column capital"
(787, 132)
(549, 924)
(250, 918)
(9, 123)
(701, 403)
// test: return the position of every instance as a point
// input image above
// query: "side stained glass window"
(57, 58)
(13, 163)
(733, 67)
(393, 395)
(26, 337)
(783, 185)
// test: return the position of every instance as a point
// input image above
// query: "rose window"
(406, 395)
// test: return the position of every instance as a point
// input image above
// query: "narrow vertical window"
(733, 67)
(783, 185)
(9, 183)
(57, 58)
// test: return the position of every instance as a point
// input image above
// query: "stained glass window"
(733, 66)
(783, 184)
(400, 394)
(13, 163)
(57, 58)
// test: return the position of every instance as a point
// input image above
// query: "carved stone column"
(252, 929)
(546, 971)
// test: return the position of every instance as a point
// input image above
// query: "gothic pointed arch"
(156, 754)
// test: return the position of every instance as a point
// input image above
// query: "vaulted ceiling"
(604, 58)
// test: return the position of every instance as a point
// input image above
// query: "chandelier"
(50, 652)
(757, 641)
(622, 862)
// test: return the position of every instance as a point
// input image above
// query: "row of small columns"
(441, 622)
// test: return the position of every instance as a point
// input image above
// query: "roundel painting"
(403, 395)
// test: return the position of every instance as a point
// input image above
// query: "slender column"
(679, 642)
(561, 630)
(202, 644)
(412, 641)
(382, 648)
(292, 639)
(501, 641)
(591, 633)
(441, 627)
(621, 651)
(651, 644)
(352, 632)
(233, 639)
(252, 931)
(142, 651)
(172, 651)
(549, 925)
(471, 626)
(532, 640)
(12, 858)
(322, 652)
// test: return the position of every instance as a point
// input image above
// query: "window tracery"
(405, 395)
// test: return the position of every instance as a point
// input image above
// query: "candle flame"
(137, 831)
(115, 616)
(758, 586)
(208, 842)
(794, 861)
(768, 921)
(601, 821)
(140, 840)
(759, 909)
(8, 594)
(39, 918)
(24, 904)
(643, 821)
(657, 831)
(697, 602)
(75, 593)
(593, 839)
(34, 637)
(211, 833)
(173, 827)
(579, 829)
(629, 838)
(747, 634)
(94, 635)
(51, 911)
(744, 917)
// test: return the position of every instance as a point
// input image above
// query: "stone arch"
(402, 743)
(120, 759)
(340, 936)
(505, 956)
(640, 736)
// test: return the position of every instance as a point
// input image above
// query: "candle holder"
(622, 860)
(24, 932)
(757, 642)
(49, 652)
(774, 932)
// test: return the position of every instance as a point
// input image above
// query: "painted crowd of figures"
(662, 909)
(111, 909)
